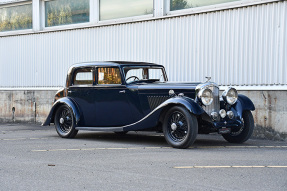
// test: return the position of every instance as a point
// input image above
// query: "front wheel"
(180, 128)
(244, 133)
(65, 122)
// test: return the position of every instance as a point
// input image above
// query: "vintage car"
(131, 96)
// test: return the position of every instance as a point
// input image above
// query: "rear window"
(83, 77)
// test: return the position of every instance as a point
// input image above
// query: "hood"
(163, 89)
(168, 85)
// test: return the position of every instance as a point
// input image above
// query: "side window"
(83, 77)
(109, 76)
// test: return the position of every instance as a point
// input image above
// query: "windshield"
(144, 74)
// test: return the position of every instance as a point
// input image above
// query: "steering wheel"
(135, 78)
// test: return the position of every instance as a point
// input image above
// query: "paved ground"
(35, 158)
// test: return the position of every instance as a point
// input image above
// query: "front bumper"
(228, 126)
(222, 125)
(236, 123)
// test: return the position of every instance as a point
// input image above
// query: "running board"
(115, 129)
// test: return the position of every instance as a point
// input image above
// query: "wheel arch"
(185, 102)
(63, 101)
(243, 104)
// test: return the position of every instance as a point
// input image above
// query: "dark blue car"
(133, 96)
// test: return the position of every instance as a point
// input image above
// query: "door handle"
(122, 92)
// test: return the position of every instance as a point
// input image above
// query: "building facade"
(240, 43)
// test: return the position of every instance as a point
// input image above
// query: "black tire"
(244, 133)
(180, 127)
(65, 122)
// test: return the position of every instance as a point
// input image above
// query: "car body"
(135, 96)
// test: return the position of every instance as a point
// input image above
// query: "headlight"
(230, 96)
(205, 96)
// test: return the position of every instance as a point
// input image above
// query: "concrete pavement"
(36, 158)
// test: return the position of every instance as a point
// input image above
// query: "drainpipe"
(35, 111)
(13, 114)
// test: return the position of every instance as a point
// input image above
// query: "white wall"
(242, 46)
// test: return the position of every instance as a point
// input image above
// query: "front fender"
(186, 102)
(63, 101)
(243, 103)
(152, 119)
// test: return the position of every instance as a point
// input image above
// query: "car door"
(112, 108)
(80, 91)
(101, 97)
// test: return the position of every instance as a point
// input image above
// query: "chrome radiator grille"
(215, 105)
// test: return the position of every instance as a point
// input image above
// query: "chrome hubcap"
(173, 126)
(62, 120)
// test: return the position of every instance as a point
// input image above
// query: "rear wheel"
(180, 128)
(65, 122)
(244, 133)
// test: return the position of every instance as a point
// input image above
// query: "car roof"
(112, 63)
(107, 63)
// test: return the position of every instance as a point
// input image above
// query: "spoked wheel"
(180, 127)
(244, 133)
(65, 122)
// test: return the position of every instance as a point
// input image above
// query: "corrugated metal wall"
(242, 46)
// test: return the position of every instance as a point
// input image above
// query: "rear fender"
(243, 103)
(63, 101)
